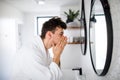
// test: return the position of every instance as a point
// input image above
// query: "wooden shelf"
(75, 43)
(78, 43)
(74, 27)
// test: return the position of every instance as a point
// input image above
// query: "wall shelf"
(75, 43)
(78, 43)
(74, 27)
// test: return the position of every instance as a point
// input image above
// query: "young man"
(35, 61)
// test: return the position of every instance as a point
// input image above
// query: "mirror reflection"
(98, 36)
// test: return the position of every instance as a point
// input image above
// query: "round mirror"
(101, 36)
(83, 30)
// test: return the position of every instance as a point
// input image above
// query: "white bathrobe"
(34, 63)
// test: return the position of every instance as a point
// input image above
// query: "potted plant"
(71, 15)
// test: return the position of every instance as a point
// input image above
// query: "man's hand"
(58, 48)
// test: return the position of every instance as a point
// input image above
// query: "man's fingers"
(64, 42)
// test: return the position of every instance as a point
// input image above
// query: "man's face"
(57, 35)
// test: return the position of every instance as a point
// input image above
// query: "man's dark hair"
(51, 25)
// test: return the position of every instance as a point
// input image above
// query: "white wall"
(10, 17)
(8, 11)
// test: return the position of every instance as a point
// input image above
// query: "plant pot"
(72, 24)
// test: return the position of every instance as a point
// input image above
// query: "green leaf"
(71, 15)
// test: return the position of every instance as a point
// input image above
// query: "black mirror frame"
(83, 19)
(109, 37)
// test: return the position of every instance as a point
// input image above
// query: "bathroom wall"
(10, 17)
(8, 11)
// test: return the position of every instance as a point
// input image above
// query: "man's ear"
(49, 34)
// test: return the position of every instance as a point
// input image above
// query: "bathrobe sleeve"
(56, 71)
